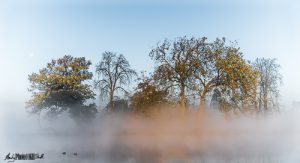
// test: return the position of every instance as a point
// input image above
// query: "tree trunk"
(202, 104)
(182, 96)
(259, 102)
(265, 102)
(111, 98)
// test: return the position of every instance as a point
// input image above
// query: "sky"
(33, 32)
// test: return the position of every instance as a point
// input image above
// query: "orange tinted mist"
(172, 135)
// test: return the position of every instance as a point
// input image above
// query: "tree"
(175, 64)
(114, 73)
(148, 95)
(60, 86)
(195, 65)
(207, 74)
(268, 82)
(238, 81)
(221, 69)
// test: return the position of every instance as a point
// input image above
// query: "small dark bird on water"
(41, 156)
(7, 157)
(64, 153)
(75, 154)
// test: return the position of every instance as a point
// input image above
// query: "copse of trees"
(198, 66)
(186, 69)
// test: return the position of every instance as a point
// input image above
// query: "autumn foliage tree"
(148, 95)
(196, 65)
(185, 69)
(61, 86)
(238, 81)
(207, 75)
(175, 64)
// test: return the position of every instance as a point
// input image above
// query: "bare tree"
(268, 83)
(114, 73)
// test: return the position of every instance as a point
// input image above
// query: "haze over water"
(34, 32)
(165, 138)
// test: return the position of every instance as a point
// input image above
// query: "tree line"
(190, 73)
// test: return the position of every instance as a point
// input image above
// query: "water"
(170, 137)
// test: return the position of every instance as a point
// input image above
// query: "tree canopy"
(61, 86)
(269, 80)
(114, 73)
(239, 81)
(186, 70)
(196, 65)
(148, 95)
(175, 64)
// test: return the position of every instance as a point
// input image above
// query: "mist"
(169, 136)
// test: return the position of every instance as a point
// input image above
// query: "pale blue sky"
(33, 32)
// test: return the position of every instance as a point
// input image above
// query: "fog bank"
(164, 137)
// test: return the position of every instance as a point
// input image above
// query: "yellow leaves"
(239, 75)
(37, 99)
(147, 95)
(63, 76)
